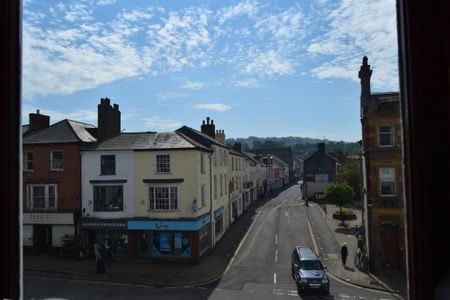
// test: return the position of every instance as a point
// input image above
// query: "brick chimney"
(38, 121)
(365, 73)
(209, 128)
(321, 147)
(237, 147)
(108, 121)
(220, 136)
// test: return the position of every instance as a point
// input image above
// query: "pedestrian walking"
(99, 261)
(344, 254)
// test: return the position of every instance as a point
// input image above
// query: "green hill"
(301, 147)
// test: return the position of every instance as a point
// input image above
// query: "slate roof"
(199, 137)
(285, 154)
(65, 131)
(146, 141)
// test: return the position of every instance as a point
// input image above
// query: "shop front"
(100, 229)
(42, 231)
(186, 240)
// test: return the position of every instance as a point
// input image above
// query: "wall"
(68, 180)
(90, 163)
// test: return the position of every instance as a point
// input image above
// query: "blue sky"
(258, 68)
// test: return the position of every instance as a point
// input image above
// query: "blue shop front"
(181, 239)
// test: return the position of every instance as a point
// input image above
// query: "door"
(390, 237)
(42, 237)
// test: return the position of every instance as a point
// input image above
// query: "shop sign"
(321, 178)
(193, 225)
(48, 218)
(99, 224)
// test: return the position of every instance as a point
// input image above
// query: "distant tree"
(339, 194)
(350, 172)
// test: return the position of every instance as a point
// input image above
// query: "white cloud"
(169, 96)
(249, 8)
(135, 15)
(220, 107)
(105, 2)
(247, 83)
(269, 63)
(157, 123)
(83, 115)
(358, 28)
(193, 85)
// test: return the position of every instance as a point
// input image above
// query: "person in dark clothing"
(344, 254)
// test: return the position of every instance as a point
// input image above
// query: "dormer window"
(386, 136)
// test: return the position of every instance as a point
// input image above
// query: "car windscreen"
(311, 265)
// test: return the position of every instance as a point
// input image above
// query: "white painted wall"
(90, 170)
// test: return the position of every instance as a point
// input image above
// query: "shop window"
(203, 239)
(218, 224)
(57, 160)
(108, 165)
(42, 196)
(171, 243)
(163, 197)
(108, 198)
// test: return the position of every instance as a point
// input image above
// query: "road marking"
(276, 255)
(275, 278)
(286, 214)
(276, 239)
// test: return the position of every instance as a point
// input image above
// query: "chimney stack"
(364, 74)
(108, 121)
(220, 136)
(38, 121)
(209, 128)
(237, 147)
(321, 147)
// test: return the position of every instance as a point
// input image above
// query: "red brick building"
(383, 175)
(52, 181)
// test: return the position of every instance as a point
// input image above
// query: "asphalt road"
(260, 270)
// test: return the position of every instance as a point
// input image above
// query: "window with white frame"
(163, 163)
(387, 181)
(386, 136)
(202, 163)
(221, 184)
(28, 164)
(57, 160)
(203, 195)
(42, 196)
(215, 186)
(163, 197)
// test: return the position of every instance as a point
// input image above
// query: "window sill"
(57, 170)
(163, 210)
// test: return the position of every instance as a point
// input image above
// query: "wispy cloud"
(247, 83)
(358, 28)
(194, 85)
(169, 96)
(249, 8)
(157, 123)
(220, 107)
(269, 63)
(56, 116)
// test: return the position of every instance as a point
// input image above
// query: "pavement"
(328, 236)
